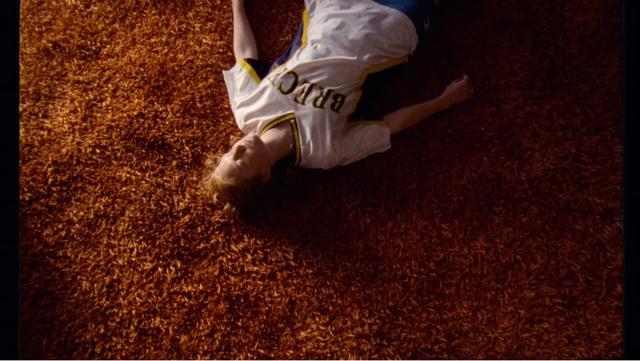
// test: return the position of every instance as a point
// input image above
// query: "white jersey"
(319, 86)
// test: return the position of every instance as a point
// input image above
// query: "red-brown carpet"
(491, 230)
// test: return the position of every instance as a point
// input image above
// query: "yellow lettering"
(293, 85)
(305, 89)
(321, 99)
(338, 100)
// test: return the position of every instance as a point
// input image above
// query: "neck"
(278, 142)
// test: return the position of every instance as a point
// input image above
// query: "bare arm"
(455, 92)
(244, 43)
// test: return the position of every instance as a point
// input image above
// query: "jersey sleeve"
(241, 80)
(362, 139)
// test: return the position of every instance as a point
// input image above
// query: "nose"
(238, 150)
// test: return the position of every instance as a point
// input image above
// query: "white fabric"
(345, 40)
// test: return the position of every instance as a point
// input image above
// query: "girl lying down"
(302, 105)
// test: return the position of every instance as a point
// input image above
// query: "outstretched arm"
(455, 92)
(244, 43)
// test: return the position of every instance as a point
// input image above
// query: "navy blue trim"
(295, 45)
(263, 67)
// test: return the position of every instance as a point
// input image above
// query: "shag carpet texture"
(491, 230)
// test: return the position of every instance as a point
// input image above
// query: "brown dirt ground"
(491, 230)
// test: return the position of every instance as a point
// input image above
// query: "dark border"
(631, 189)
(9, 347)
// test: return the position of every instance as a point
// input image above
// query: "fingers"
(465, 78)
(459, 89)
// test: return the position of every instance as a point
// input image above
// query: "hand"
(457, 91)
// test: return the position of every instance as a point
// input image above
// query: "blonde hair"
(230, 195)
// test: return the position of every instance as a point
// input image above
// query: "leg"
(244, 43)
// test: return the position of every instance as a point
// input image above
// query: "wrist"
(443, 102)
(237, 4)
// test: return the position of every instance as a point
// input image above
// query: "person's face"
(246, 159)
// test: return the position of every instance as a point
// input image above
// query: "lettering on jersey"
(322, 98)
(287, 81)
(305, 90)
(293, 82)
(338, 100)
